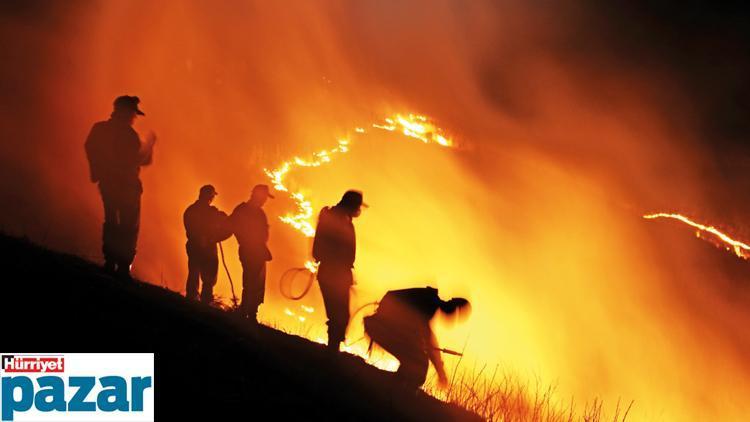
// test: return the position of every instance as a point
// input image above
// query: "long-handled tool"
(449, 351)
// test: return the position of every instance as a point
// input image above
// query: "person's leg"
(412, 372)
(334, 287)
(245, 296)
(130, 216)
(328, 303)
(342, 310)
(109, 228)
(191, 287)
(209, 272)
(259, 289)
(404, 346)
(413, 361)
(253, 286)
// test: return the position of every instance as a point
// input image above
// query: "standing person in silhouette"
(250, 226)
(401, 326)
(334, 247)
(205, 226)
(115, 154)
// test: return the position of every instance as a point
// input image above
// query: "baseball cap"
(128, 102)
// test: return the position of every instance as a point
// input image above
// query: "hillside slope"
(208, 365)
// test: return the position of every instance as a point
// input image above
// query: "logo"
(77, 387)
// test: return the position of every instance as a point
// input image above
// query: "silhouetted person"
(401, 326)
(115, 155)
(250, 226)
(205, 226)
(334, 247)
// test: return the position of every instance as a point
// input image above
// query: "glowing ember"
(741, 249)
(311, 266)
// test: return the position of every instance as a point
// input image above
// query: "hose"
(229, 276)
(358, 310)
(351, 318)
(288, 279)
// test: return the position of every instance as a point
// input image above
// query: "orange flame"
(741, 249)
(411, 125)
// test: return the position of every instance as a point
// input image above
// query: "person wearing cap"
(205, 226)
(401, 326)
(116, 154)
(334, 247)
(250, 226)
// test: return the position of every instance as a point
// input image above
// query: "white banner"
(77, 387)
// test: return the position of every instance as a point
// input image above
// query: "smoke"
(567, 134)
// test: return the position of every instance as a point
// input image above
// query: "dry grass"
(503, 397)
(499, 396)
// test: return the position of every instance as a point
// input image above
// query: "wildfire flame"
(412, 125)
(741, 249)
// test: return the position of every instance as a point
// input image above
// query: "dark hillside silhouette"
(208, 365)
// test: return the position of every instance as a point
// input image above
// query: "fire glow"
(359, 347)
(740, 249)
(495, 226)
(412, 125)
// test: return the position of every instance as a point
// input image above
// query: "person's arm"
(346, 242)
(318, 241)
(266, 229)
(233, 220)
(147, 149)
(353, 246)
(187, 223)
(93, 153)
(223, 228)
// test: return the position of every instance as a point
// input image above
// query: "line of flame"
(741, 249)
(302, 220)
(411, 125)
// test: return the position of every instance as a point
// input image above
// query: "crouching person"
(401, 326)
